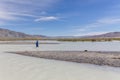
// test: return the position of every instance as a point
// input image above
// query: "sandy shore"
(98, 58)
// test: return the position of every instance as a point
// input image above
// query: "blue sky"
(60, 17)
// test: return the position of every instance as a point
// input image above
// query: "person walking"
(37, 43)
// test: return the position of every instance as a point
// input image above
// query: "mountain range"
(106, 35)
(5, 33)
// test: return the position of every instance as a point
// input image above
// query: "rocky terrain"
(92, 57)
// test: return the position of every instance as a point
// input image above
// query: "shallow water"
(66, 46)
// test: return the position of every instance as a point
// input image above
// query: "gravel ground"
(92, 57)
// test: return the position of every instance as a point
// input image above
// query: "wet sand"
(92, 57)
(25, 42)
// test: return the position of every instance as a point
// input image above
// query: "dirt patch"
(98, 58)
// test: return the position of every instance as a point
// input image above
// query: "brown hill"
(5, 33)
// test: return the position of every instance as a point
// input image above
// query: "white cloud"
(89, 33)
(47, 18)
(99, 23)
(17, 9)
(1, 23)
(82, 30)
(5, 16)
(88, 29)
(109, 21)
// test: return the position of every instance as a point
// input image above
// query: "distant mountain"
(5, 33)
(106, 35)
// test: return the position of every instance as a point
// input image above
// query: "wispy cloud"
(90, 33)
(88, 29)
(109, 20)
(17, 9)
(5, 16)
(47, 18)
(100, 23)
(1, 23)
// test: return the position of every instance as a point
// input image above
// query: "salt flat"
(18, 67)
